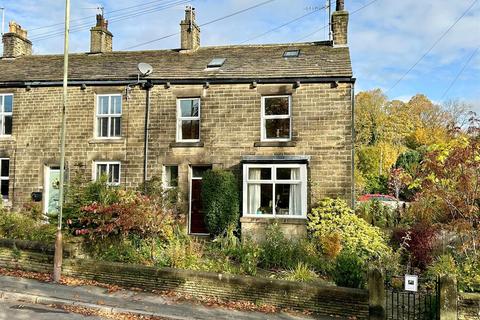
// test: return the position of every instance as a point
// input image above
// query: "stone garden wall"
(321, 299)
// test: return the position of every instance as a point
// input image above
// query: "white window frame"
(273, 181)
(3, 114)
(108, 163)
(6, 178)
(283, 116)
(164, 176)
(180, 119)
(108, 115)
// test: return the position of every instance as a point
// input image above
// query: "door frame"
(190, 179)
(46, 185)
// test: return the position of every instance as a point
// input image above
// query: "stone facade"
(315, 78)
(230, 129)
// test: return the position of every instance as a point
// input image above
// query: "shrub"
(278, 252)
(229, 248)
(301, 273)
(120, 249)
(334, 216)
(376, 184)
(349, 270)
(19, 226)
(182, 252)
(443, 265)
(469, 279)
(419, 242)
(376, 213)
(220, 200)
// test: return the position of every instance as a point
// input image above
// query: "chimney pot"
(100, 37)
(15, 42)
(190, 31)
(340, 5)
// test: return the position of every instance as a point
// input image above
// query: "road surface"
(14, 310)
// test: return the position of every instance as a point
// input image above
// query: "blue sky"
(386, 38)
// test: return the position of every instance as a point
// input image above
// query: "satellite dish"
(145, 69)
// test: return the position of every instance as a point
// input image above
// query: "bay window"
(275, 190)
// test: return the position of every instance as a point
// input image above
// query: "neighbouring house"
(278, 115)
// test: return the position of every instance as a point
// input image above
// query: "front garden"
(438, 233)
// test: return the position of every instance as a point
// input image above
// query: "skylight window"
(291, 53)
(216, 63)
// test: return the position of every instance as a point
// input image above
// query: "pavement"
(121, 301)
(13, 310)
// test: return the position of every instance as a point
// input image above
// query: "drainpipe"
(353, 145)
(147, 86)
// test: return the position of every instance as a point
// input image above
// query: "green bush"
(19, 226)
(220, 200)
(469, 274)
(231, 251)
(278, 252)
(376, 184)
(181, 251)
(120, 249)
(301, 273)
(376, 213)
(356, 235)
(349, 270)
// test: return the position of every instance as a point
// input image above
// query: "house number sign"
(411, 283)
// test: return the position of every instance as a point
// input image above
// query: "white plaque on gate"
(411, 283)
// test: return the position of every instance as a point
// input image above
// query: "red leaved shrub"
(419, 241)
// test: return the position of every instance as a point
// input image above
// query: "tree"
(398, 180)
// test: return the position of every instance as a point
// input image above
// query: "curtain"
(294, 196)
(254, 191)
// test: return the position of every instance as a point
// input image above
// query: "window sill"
(107, 141)
(275, 144)
(186, 145)
(6, 137)
(301, 220)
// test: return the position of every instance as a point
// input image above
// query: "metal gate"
(406, 305)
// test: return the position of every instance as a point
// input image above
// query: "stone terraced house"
(280, 116)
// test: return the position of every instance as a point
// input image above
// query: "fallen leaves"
(104, 314)
(173, 295)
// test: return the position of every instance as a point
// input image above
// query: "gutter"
(126, 81)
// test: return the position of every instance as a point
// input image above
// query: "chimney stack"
(340, 25)
(15, 42)
(100, 37)
(190, 31)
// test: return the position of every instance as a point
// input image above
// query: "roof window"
(291, 53)
(216, 63)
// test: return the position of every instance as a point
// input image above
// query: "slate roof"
(317, 59)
